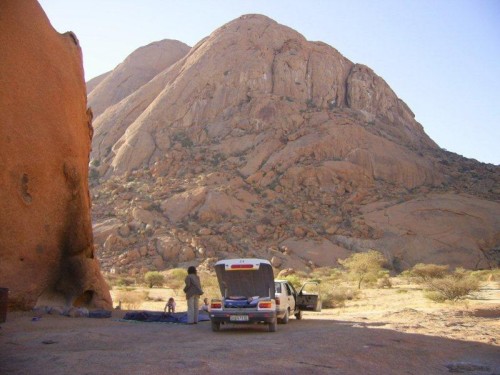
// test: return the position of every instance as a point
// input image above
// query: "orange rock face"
(46, 244)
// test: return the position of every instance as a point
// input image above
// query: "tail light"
(266, 305)
(277, 301)
(216, 305)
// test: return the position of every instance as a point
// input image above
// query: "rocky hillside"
(257, 142)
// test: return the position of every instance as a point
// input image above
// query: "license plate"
(238, 318)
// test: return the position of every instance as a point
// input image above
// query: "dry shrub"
(210, 286)
(453, 287)
(487, 275)
(327, 274)
(119, 280)
(336, 297)
(384, 282)
(130, 299)
(174, 278)
(422, 273)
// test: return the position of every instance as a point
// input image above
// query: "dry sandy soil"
(393, 331)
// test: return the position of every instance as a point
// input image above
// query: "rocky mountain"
(257, 142)
(46, 245)
(137, 69)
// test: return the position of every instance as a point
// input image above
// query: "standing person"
(193, 292)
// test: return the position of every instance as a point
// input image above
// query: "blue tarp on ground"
(158, 316)
(99, 314)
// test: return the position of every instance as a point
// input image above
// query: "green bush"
(154, 278)
(294, 280)
(124, 281)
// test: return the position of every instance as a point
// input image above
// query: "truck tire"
(286, 317)
(298, 315)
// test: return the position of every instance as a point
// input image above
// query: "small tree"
(364, 265)
(153, 278)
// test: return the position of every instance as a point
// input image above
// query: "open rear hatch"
(245, 280)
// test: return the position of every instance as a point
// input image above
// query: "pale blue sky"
(442, 57)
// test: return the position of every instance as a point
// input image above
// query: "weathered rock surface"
(94, 82)
(137, 69)
(258, 140)
(452, 229)
(46, 245)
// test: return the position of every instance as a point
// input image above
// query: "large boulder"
(46, 245)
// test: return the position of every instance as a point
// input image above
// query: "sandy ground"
(394, 331)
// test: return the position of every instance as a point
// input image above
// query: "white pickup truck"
(289, 302)
(247, 290)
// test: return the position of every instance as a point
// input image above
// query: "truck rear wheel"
(285, 318)
(298, 315)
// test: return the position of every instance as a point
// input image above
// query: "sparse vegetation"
(364, 266)
(130, 300)
(175, 278)
(338, 286)
(337, 297)
(295, 280)
(452, 287)
(210, 285)
(442, 285)
(422, 273)
(487, 275)
(154, 278)
(333, 298)
(183, 139)
(384, 282)
(122, 281)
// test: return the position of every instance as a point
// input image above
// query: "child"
(204, 307)
(170, 305)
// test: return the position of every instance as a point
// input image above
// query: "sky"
(441, 57)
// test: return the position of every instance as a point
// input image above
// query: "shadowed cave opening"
(84, 299)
